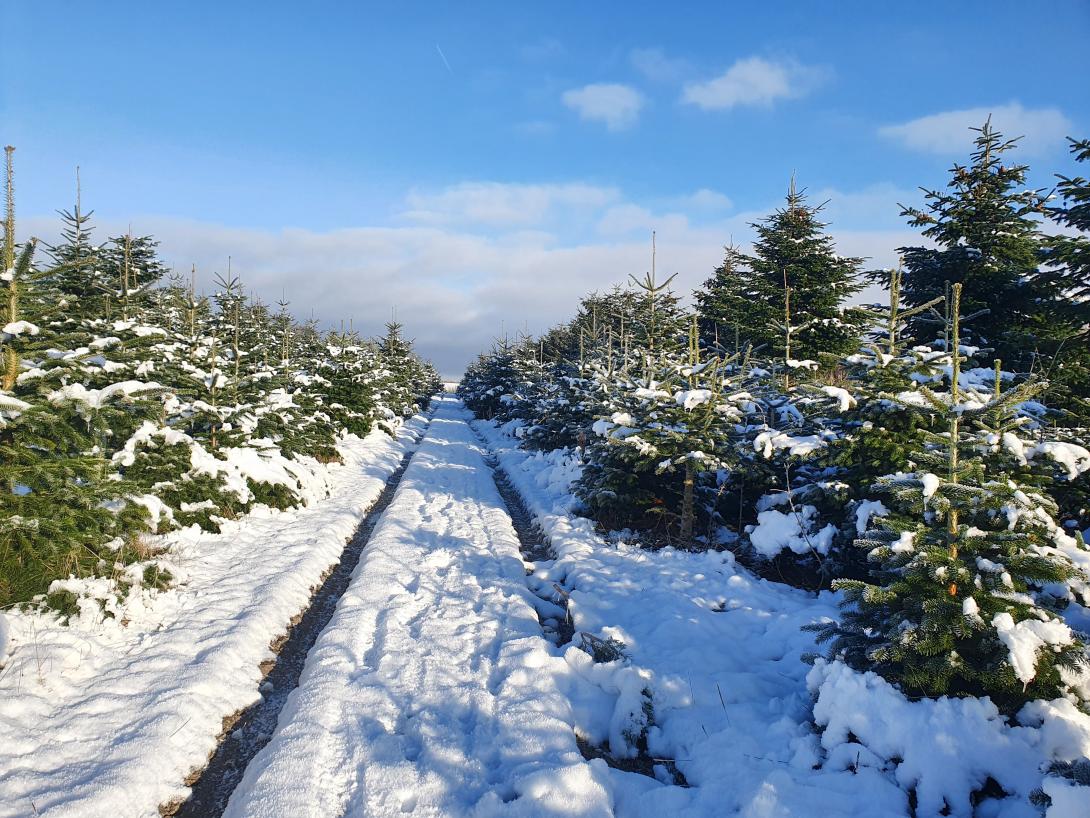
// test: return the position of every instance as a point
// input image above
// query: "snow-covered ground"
(108, 715)
(756, 731)
(431, 691)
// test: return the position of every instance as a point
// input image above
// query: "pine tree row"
(130, 404)
(927, 456)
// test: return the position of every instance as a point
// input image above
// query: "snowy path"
(431, 692)
(106, 718)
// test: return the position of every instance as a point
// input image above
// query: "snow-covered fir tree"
(129, 405)
(1067, 267)
(793, 267)
(963, 558)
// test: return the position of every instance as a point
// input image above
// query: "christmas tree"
(793, 258)
(987, 235)
(955, 604)
(1068, 269)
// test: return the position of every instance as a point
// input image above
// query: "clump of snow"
(970, 610)
(844, 398)
(865, 510)
(96, 398)
(1069, 800)
(930, 484)
(1024, 639)
(798, 446)
(1075, 459)
(14, 328)
(777, 531)
(691, 398)
(621, 419)
(943, 748)
(601, 427)
(803, 364)
(911, 397)
(11, 407)
(1013, 444)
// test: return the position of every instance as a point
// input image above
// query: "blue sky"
(473, 163)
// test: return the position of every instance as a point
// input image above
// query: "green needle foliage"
(130, 405)
(955, 605)
(743, 303)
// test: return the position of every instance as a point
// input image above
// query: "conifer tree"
(58, 507)
(987, 234)
(490, 382)
(128, 267)
(1068, 271)
(731, 304)
(662, 420)
(74, 274)
(954, 605)
(791, 253)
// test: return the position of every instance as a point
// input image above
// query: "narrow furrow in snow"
(432, 691)
(108, 717)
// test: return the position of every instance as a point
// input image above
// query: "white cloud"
(754, 81)
(497, 203)
(656, 66)
(616, 105)
(455, 280)
(948, 132)
(704, 199)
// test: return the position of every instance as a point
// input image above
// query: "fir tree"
(75, 273)
(59, 509)
(954, 605)
(731, 304)
(1068, 271)
(793, 258)
(663, 419)
(986, 228)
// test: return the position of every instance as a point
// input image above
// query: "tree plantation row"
(926, 457)
(130, 404)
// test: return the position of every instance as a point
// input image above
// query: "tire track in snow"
(254, 726)
(553, 613)
(108, 716)
(432, 691)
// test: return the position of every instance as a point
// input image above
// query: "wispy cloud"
(544, 49)
(502, 204)
(443, 57)
(948, 132)
(704, 199)
(754, 81)
(657, 67)
(618, 106)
